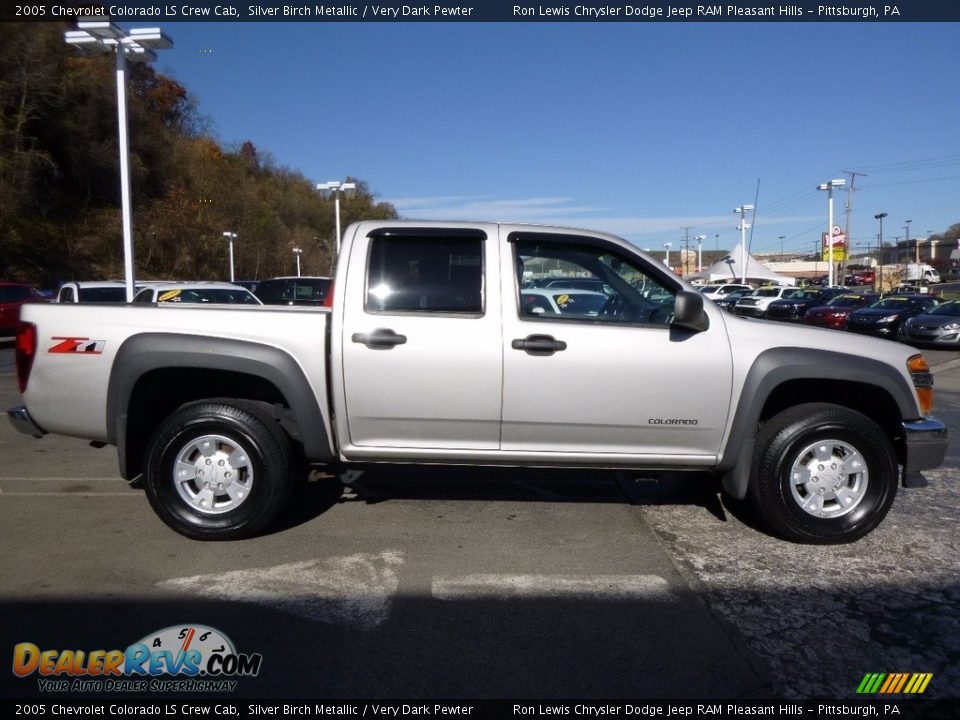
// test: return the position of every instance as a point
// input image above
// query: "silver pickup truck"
(453, 343)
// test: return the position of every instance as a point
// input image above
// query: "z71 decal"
(77, 345)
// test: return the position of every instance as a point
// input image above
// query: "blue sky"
(637, 129)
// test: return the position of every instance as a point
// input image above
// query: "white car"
(756, 303)
(212, 293)
(715, 292)
(93, 291)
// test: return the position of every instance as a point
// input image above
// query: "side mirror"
(688, 311)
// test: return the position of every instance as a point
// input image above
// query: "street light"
(666, 260)
(296, 252)
(230, 236)
(99, 35)
(829, 186)
(700, 239)
(781, 238)
(743, 240)
(337, 188)
(876, 278)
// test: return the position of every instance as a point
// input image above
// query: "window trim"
(435, 233)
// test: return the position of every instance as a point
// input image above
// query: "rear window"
(425, 274)
(103, 295)
(287, 290)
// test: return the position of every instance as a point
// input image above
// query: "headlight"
(951, 327)
(887, 319)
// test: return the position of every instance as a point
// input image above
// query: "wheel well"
(159, 392)
(870, 400)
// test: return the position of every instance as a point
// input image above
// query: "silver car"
(937, 326)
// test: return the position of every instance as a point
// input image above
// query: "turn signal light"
(328, 300)
(922, 381)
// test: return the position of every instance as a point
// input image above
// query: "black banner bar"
(639, 11)
(363, 708)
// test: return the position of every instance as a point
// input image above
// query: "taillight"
(328, 300)
(25, 351)
(922, 381)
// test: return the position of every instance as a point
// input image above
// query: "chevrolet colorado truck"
(429, 353)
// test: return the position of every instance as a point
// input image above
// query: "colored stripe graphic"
(894, 683)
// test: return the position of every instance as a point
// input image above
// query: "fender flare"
(776, 366)
(146, 352)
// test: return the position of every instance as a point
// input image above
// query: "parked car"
(197, 292)
(865, 277)
(12, 296)
(93, 291)
(885, 316)
(756, 303)
(293, 290)
(939, 326)
(792, 309)
(715, 292)
(561, 301)
(835, 313)
(728, 301)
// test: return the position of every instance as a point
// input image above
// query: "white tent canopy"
(729, 269)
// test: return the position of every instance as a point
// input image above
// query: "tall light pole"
(876, 275)
(666, 260)
(337, 188)
(907, 228)
(296, 252)
(829, 186)
(781, 238)
(99, 35)
(743, 239)
(700, 239)
(230, 236)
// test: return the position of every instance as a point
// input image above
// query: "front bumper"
(925, 444)
(20, 419)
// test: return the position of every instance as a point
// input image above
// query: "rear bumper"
(925, 444)
(21, 420)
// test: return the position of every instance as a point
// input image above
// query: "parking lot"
(442, 582)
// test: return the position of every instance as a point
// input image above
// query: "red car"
(835, 313)
(12, 296)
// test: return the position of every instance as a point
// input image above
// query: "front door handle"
(379, 339)
(539, 345)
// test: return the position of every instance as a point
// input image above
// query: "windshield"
(14, 293)
(948, 308)
(768, 292)
(219, 296)
(846, 301)
(892, 303)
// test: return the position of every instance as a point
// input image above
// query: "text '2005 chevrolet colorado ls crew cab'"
(431, 351)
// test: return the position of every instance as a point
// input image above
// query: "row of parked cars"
(904, 315)
(276, 291)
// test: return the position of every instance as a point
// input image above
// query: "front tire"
(822, 474)
(217, 471)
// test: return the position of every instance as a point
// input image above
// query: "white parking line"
(506, 587)
(6, 493)
(58, 479)
(353, 590)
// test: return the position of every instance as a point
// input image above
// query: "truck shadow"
(378, 484)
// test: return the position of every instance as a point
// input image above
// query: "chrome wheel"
(829, 479)
(213, 474)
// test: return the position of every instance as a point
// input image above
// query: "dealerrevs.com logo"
(181, 658)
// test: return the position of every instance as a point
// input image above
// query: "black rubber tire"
(263, 440)
(779, 441)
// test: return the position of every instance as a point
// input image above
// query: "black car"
(293, 290)
(792, 309)
(885, 316)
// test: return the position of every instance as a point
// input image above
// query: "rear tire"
(822, 474)
(218, 471)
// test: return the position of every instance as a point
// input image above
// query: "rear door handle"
(539, 345)
(379, 339)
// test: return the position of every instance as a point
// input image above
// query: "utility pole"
(853, 179)
(686, 251)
